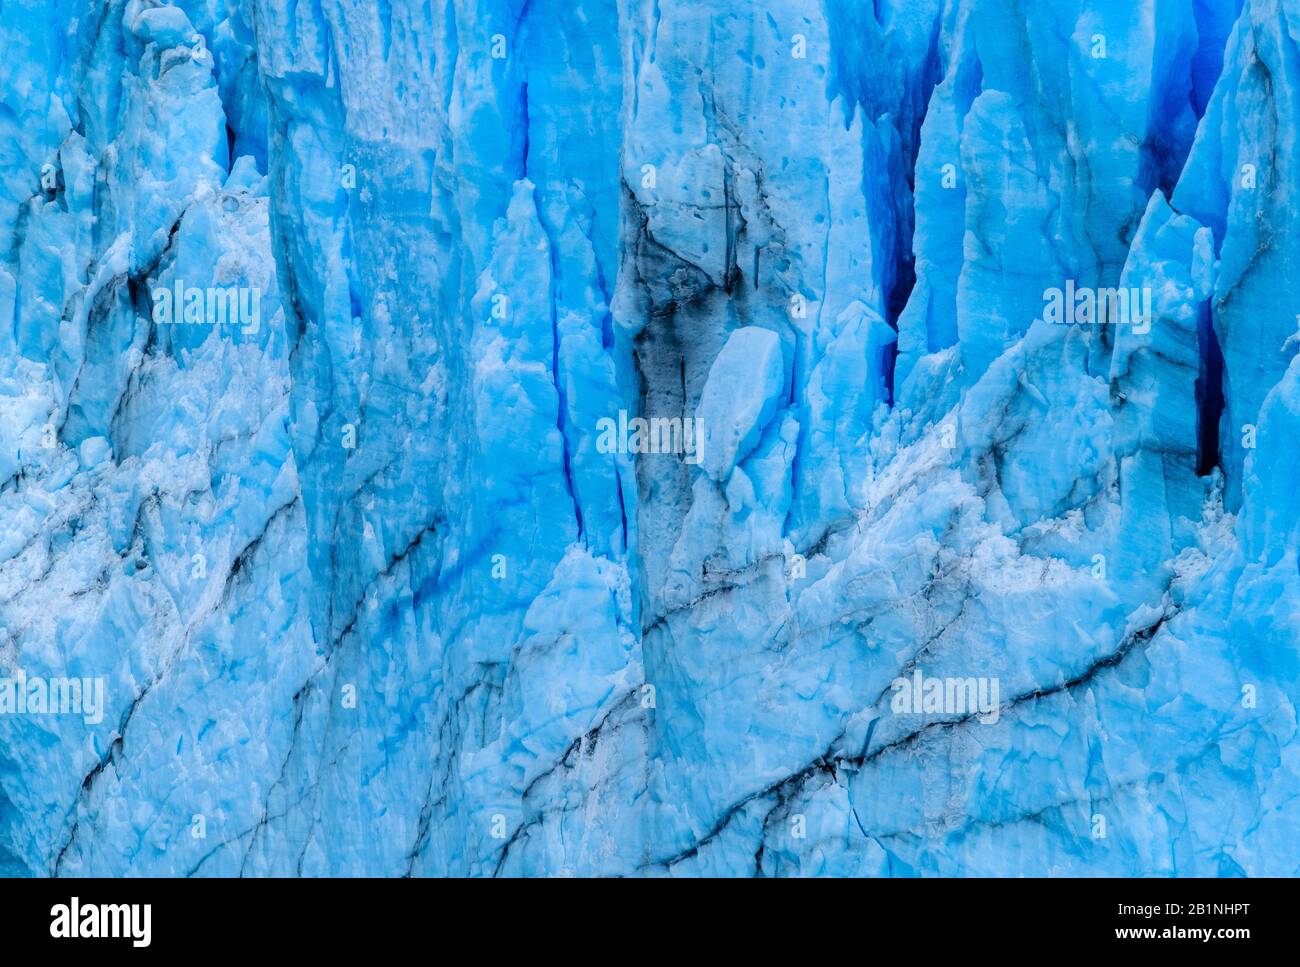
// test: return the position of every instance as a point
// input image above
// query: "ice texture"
(386, 579)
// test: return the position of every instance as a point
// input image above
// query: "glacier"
(370, 592)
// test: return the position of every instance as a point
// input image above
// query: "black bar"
(333, 917)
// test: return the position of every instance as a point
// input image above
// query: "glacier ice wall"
(385, 580)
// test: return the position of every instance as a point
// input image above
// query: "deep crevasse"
(369, 597)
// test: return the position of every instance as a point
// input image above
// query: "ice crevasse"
(944, 343)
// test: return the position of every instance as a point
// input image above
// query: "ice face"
(649, 437)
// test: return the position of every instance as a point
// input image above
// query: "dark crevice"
(556, 291)
(861, 38)
(1209, 394)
